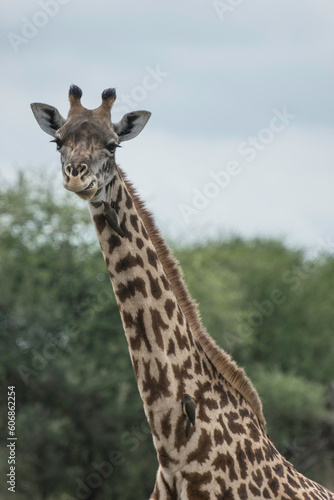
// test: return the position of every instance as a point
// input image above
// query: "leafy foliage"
(81, 429)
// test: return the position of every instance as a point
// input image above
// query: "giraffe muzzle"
(79, 180)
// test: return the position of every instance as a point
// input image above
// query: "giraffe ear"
(131, 125)
(48, 117)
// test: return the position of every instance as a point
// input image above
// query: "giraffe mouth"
(89, 191)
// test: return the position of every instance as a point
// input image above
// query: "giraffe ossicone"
(227, 454)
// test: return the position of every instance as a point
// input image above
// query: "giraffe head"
(87, 140)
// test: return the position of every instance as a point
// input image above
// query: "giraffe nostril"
(82, 168)
(68, 169)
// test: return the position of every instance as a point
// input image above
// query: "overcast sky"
(241, 138)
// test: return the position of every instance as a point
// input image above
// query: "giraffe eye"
(112, 147)
(58, 142)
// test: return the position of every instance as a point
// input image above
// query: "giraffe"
(227, 453)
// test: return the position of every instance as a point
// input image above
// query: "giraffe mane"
(222, 361)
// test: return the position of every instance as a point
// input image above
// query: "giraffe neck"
(162, 348)
(222, 362)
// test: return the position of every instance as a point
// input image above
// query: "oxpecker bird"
(112, 219)
(189, 409)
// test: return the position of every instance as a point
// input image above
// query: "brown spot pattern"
(144, 233)
(219, 388)
(233, 424)
(218, 437)
(156, 492)
(114, 241)
(139, 243)
(228, 495)
(128, 262)
(138, 325)
(170, 493)
(249, 451)
(278, 469)
(225, 462)
(166, 427)
(197, 365)
(265, 493)
(244, 413)
(258, 455)
(242, 461)
(274, 485)
(152, 258)
(204, 403)
(254, 490)
(165, 459)
(119, 195)
(157, 325)
(156, 387)
(269, 451)
(257, 478)
(130, 288)
(171, 347)
(254, 433)
(134, 222)
(128, 202)
(190, 336)
(182, 340)
(206, 368)
(180, 318)
(169, 308)
(267, 472)
(195, 483)
(232, 399)
(165, 282)
(180, 437)
(182, 373)
(100, 222)
(199, 347)
(242, 492)
(154, 285)
(226, 435)
(222, 485)
(290, 492)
